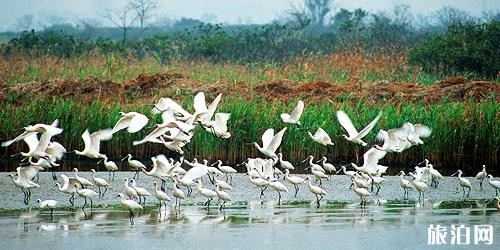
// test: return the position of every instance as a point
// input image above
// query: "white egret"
(419, 185)
(394, 140)
(362, 193)
(68, 187)
(317, 191)
(270, 142)
(218, 127)
(178, 194)
(352, 134)
(86, 194)
(434, 175)
(294, 180)
(200, 107)
(131, 205)
(327, 166)
(110, 166)
(222, 184)
(495, 184)
(223, 196)
(207, 193)
(285, 164)
(405, 184)
(185, 183)
(24, 184)
(93, 143)
(50, 204)
(135, 165)
(99, 182)
(132, 121)
(349, 174)
(227, 171)
(130, 191)
(464, 183)
(415, 131)
(162, 129)
(294, 117)
(278, 187)
(84, 182)
(321, 137)
(260, 183)
(169, 106)
(160, 195)
(481, 176)
(359, 181)
(141, 192)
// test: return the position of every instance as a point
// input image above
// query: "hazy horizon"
(223, 11)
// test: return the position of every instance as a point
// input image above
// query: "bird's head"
(38, 201)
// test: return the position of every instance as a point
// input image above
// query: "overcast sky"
(225, 11)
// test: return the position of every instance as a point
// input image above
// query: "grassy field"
(466, 134)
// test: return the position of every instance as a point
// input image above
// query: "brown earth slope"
(146, 87)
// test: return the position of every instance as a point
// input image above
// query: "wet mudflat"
(388, 221)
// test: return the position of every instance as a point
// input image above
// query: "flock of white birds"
(177, 130)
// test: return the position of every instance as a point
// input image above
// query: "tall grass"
(465, 135)
(337, 68)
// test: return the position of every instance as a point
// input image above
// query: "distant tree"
(311, 12)
(448, 16)
(144, 10)
(121, 18)
(24, 23)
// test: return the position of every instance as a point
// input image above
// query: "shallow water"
(254, 226)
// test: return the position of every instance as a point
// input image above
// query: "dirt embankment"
(147, 87)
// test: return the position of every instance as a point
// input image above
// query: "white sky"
(226, 11)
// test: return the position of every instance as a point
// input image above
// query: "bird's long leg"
(29, 196)
(208, 203)
(105, 189)
(227, 178)
(54, 177)
(109, 175)
(317, 199)
(91, 204)
(113, 175)
(190, 190)
(321, 198)
(352, 183)
(463, 192)
(71, 199)
(144, 202)
(262, 191)
(481, 185)
(378, 189)
(99, 188)
(468, 193)
(159, 207)
(132, 218)
(163, 183)
(84, 203)
(320, 183)
(231, 179)
(279, 198)
(51, 213)
(296, 189)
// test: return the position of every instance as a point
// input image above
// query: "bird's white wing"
(207, 116)
(297, 112)
(372, 156)
(100, 135)
(157, 132)
(55, 123)
(370, 126)
(20, 137)
(195, 173)
(122, 123)
(268, 170)
(422, 130)
(320, 133)
(275, 143)
(55, 149)
(346, 123)
(169, 105)
(168, 117)
(267, 137)
(32, 141)
(221, 120)
(199, 103)
(137, 123)
(87, 140)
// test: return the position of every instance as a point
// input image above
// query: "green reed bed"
(465, 135)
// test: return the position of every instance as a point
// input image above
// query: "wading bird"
(161, 196)
(294, 117)
(50, 204)
(435, 176)
(327, 166)
(317, 191)
(419, 185)
(226, 170)
(321, 137)
(84, 182)
(494, 184)
(218, 127)
(132, 121)
(141, 192)
(130, 205)
(294, 180)
(86, 194)
(130, 191)
(93, 143)
(178, 194)
(481, 176)
(464, 183)
(278, 187)
(207, 193)
(99, 182)
(223, 196)
(135, 165)
(405, 184)
(352, 134)
(110, 166)
(68, 187)
(362, 193)
(270, 142)
(285, 164)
